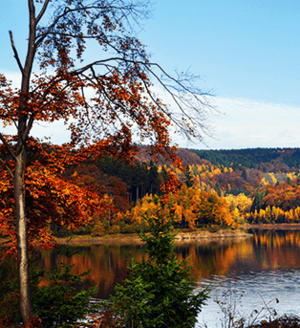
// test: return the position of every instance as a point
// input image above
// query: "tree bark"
(22, 240)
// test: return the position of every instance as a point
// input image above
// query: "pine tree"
(188, 177)
(160, 290)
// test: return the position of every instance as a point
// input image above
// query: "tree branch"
(29, 126)
(7, 167)
(40, 15)
(15, 52)
(7, 146)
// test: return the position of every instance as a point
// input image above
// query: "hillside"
(277, 160)
(224, 187)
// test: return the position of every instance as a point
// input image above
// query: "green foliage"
(249, 158)
(188, 177)
(160, 290)
(59, 305)
(129, 228)
(140, 177)
(256, 204)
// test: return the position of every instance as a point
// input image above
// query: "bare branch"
(7, 167)
(40, 15)
(6, 144)
(15, 52)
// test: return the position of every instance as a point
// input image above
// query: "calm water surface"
(244, 273)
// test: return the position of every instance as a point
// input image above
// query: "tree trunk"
(22, 240)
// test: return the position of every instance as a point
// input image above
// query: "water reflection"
(266, 251)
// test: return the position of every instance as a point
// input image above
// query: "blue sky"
(246, 51)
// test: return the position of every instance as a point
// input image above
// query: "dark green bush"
(60, 304)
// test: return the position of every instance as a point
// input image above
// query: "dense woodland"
(217, 188)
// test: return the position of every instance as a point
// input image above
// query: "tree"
(99, 101)
(188, 178)
(160, 290)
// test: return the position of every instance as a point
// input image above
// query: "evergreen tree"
(160, 290)
(188, 177)
(244, 174)
(218, 189)
(256, 205)
(154, 179)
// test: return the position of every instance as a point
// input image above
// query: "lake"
(247, 273)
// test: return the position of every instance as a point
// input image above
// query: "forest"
(257, 186)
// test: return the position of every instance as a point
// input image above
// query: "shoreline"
(184, 237)
(272, 226)
(181, 237)
(197, 236)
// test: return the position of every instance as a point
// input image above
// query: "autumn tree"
(101, 102)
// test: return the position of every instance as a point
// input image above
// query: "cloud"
(248, 123)
(241, 123)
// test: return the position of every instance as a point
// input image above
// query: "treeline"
(282, 158)
(235, 193)
(141, 178)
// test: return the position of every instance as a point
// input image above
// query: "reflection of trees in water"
(277, 248)
(108, 264)
(267, 250)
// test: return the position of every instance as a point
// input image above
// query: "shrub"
(98, 229)
(60, 304)
(113, 230)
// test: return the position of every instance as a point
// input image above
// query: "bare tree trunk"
(22, 240)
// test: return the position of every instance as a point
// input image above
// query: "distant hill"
(267, 159)
(187, 156)
(277, 160)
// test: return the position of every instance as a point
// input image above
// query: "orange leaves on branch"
(50, 196)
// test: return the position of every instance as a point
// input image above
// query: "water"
(270, 293)
(246, 274)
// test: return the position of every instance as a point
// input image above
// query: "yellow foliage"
(190, 205)
(263, 182)
(273, 178)
(241, 202)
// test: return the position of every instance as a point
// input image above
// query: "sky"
(247, 53)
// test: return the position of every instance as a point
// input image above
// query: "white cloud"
(247, 123)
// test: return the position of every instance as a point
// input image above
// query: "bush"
(98, 229)
(160, 290)
(113, 230)
(129, 228)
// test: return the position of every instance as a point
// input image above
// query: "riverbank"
(181, 237)
(273, 226)
(197, 236)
